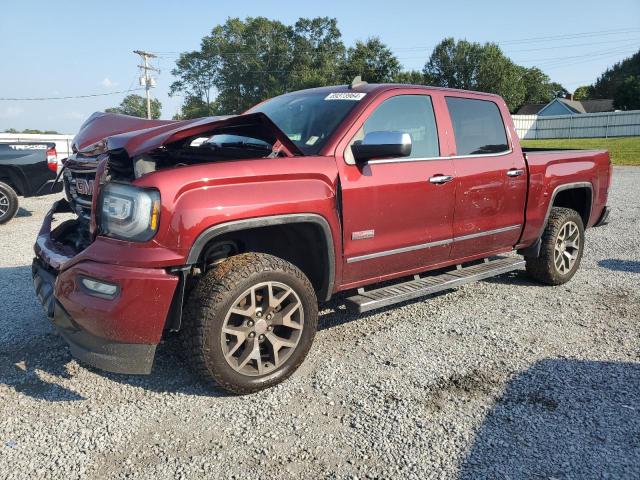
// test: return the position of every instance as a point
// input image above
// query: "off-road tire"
(8, 195)
(213, 297)
(542, 268)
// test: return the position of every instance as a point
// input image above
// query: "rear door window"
(477, 126)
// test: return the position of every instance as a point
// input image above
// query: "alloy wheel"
(4, 204)
(262, 328)
(567, 248)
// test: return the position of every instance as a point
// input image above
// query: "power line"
(542, 39)
(30, 99)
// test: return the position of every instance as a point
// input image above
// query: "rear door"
(395, 219)
(491, 178)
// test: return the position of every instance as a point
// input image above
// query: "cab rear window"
(477, 126)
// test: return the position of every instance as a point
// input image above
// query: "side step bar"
(421, 286)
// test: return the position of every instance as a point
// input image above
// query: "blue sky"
(69, 48)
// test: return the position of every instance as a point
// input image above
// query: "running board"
(421, 286)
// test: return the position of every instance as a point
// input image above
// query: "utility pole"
(147, 80)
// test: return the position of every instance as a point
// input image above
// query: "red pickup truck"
(231, 229)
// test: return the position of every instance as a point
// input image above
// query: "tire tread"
(213, 289)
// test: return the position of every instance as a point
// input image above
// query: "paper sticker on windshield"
(356, 97)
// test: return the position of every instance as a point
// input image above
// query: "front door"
(397, 219)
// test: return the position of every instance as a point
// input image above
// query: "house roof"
(596, 106)
(530, 108)
(573, 106)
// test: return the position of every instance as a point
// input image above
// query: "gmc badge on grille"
(84, 187)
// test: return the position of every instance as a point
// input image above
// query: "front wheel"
(561, 249)
(250, 322)
(8, 203)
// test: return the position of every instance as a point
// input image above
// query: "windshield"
(309, 118)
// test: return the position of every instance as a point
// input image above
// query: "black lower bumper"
(604, 217)
(102, 353)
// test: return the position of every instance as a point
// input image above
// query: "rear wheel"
(8, 203)
(250, 322)
(561, 249)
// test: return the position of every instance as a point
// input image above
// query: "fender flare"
(246, 224)
(562, 188)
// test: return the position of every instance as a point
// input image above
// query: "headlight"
(128, 212)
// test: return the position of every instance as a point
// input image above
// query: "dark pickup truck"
(232, 229)
(28, 169)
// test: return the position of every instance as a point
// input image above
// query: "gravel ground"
(499, 379)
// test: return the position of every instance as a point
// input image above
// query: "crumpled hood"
(139, 135)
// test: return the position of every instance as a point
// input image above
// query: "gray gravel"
(499, 379)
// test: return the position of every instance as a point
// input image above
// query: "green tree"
(472, 66)
(627, 95)
(453, 64)
(11, 130)
(195, 107)
(608, 83)
(498, 74)
(538, 88)
(136, 106)
(410, 77)
(557, 90)
(254, 61)
(318, 53)
(246, 61)
(373, 61)
(196, 73)
(581, 93)
(33, 130)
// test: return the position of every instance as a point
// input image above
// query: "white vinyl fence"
(586, 125)
(63, 142)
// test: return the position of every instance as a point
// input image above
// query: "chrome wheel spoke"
(4, 204)
(247, 309)
(285, 317)
(251, 352)
(278, 343)
(276, 299)
(572, 244)
(241, 334)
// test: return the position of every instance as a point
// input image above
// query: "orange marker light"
(155, 213)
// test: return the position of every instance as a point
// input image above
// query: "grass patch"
(623, 150)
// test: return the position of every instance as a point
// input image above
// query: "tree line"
(621, 82)
(242, 62)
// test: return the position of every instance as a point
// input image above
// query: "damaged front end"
(104, 281)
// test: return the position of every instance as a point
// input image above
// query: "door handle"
(440, 179)
(515, 172)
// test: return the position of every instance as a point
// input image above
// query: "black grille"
(78, 184)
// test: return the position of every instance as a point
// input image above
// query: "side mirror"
(381, 145)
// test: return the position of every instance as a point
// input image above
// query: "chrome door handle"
(515, 172)
(440, 179)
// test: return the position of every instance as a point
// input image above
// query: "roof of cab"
(381, 87)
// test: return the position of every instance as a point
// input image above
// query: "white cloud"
(11, 112)
(108, 83)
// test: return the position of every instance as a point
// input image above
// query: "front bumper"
(117, 334)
